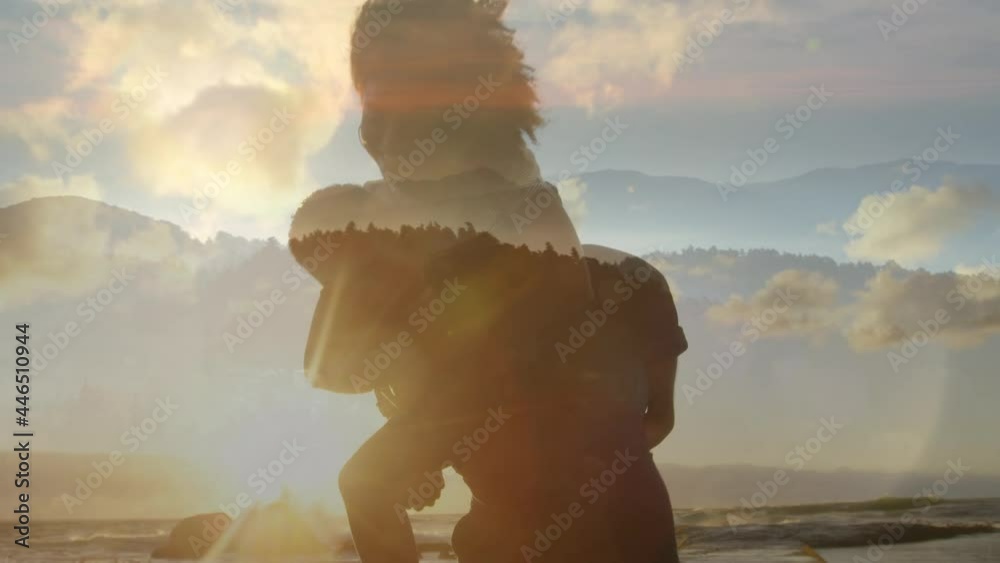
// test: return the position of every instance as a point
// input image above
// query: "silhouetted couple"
(457, 291)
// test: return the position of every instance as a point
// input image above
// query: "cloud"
(717, 267)
(37, 124)
(896, 305)
(244, 147)
(607, 51)
(224, 73)
(797, 301)
(666, 268)
(881, 310)
(913, 225)
(592, 57)
(985, 269)
(573, 192)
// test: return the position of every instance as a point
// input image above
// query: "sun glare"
(293, 442)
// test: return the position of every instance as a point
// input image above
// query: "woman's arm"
(658, 421)
(337, 345)
(323, 364)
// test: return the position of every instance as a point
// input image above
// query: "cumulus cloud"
(956, 309)
(791, 302)
(895, 305)
(666, 268)
(223, 74)
(606, 51)
(717, 267)
(591, 57)
(244, 147)
(985, 269)
(573, 192)
(38, 124)
(913, 225)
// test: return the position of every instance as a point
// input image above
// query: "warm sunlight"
(548, 281)
(259, 449)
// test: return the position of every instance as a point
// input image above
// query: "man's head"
(442, 85)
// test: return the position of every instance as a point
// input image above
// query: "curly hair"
(429, 57)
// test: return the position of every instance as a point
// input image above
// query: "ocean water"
(886, 531)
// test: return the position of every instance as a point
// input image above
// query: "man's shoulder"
(622, 262)
(333, 208)
(652, 311)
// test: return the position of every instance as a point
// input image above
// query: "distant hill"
(671, 212)
(62, 245)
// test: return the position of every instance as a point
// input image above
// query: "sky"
(185, 85)
(223, 116)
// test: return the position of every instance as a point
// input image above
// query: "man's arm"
(658, 421)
